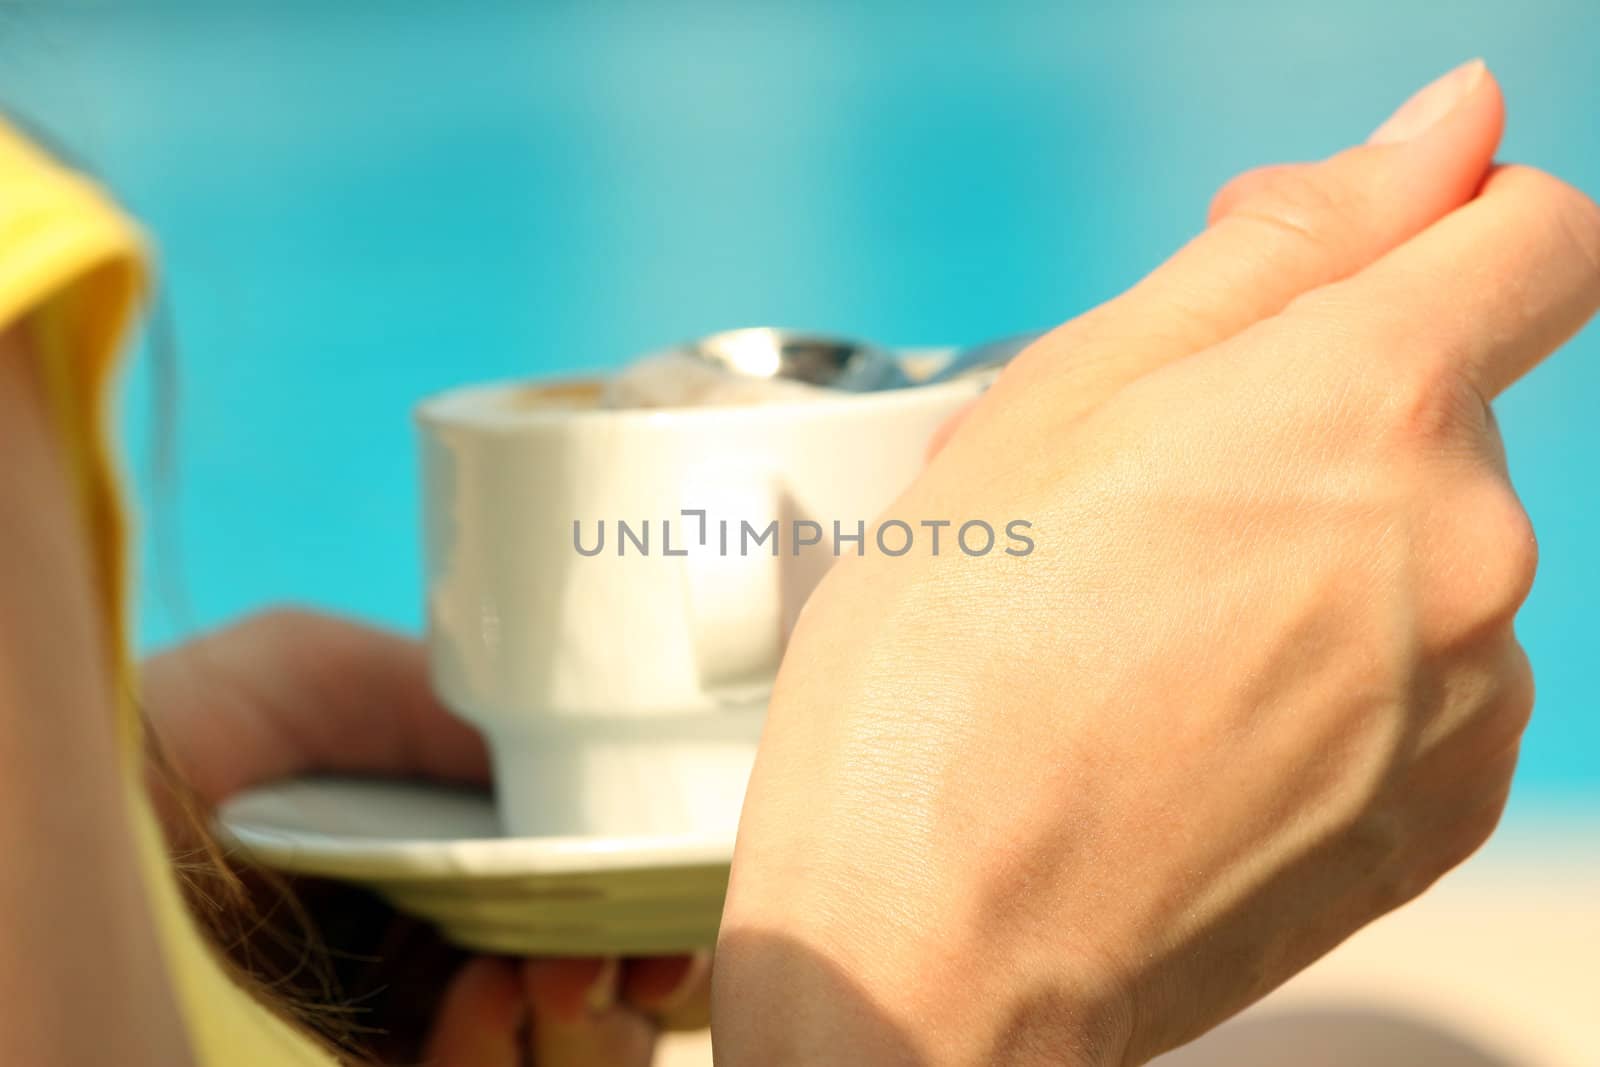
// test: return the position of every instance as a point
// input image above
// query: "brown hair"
(263, 935)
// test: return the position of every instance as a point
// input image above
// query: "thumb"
(1276, 234)
(579, 1019)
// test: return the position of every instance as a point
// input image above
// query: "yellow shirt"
(72, 269)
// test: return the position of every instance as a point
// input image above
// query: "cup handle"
(733, 581)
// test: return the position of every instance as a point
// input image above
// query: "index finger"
(290, 692)
(1275, 235)
(1493, 288)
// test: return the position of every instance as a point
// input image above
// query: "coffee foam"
(679, 379)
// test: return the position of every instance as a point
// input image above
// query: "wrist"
(791, 994)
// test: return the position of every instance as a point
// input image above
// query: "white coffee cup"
(622, 691)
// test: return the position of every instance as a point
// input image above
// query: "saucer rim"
(381, 859)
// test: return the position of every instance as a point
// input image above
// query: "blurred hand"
(291, 692)
(1256, 685)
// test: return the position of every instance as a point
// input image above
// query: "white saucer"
(436, 852)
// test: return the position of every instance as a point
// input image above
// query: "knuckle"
(1492, 733)
(1238, 189)
(1580, 219)
(1568, 209)
(1300, 203)
(1404, 390)
(278, 627)
(1514, 710)
(1427, 402)
(1508, 550)
(1494, 782)
(1474, 829)
(1436, 849)
(1484, 557)
(1228, 194)
(1492, 557)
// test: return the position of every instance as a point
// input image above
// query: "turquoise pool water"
(359, 207)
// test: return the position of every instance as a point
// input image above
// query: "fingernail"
(601, 996)
(1430, 104)
(693, 975)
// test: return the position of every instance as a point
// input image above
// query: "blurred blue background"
(359, 204)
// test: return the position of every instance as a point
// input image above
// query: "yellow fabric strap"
(72, 271)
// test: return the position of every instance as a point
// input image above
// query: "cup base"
(627, 777)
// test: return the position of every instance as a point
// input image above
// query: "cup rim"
(475, 406)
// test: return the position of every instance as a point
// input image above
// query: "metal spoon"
(839, 362)
(813, 358)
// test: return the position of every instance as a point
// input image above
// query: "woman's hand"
(292, 692)
(1257, 683)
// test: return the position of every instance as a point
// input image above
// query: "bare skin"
(284, 693)
(73, 918)
(1257, 685)
(291, 692)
